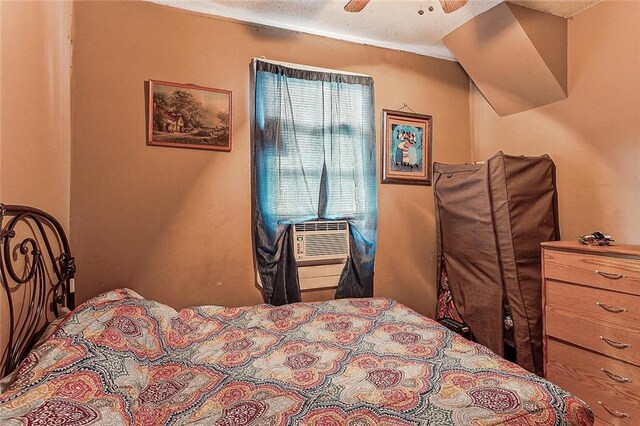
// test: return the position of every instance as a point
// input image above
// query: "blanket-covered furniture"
(122, 359)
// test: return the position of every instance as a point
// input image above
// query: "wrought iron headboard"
(37, 266)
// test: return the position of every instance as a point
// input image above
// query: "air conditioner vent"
(321, 226)
(326, 245)
(321, 242)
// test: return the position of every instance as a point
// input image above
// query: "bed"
(122, 359)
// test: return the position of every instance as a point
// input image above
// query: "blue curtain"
(314, 159)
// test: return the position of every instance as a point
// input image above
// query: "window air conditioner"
(321, 251)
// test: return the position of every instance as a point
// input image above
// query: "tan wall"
(2, 18)
(35, 111)
(594, 135)
(35, 148)
(487, 45)
(175, 224)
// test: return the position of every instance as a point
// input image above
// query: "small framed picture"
(189, 116)
(406, 147)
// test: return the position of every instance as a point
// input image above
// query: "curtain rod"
(307, 67)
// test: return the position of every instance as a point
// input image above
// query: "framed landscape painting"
(189, 116)
(406, 147)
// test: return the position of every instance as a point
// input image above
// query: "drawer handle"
(610, 276)
(615, 377)
(613, 309)
(615, 413)
(615, 344)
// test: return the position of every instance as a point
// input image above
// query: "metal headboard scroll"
(39, 268)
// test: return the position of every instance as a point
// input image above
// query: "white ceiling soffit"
(392, 24)
(563, 8)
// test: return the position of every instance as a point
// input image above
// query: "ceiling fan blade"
(452, 5)
(355, 5)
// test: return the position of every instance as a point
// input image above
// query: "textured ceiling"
(394, 24)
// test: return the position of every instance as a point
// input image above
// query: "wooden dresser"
(591, 321)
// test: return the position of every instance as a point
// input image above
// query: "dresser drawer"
(581, 373)
(613, 412)
(601, 306)
(612, 273)
(571, 314)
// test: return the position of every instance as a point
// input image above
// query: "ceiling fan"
(447, 5)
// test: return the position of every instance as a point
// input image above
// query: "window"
(314, 159)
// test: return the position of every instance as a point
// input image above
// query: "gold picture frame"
(406, 147)
(189, 116)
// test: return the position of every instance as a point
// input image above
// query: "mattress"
(122, 359)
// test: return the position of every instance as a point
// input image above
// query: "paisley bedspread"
(121, 359)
